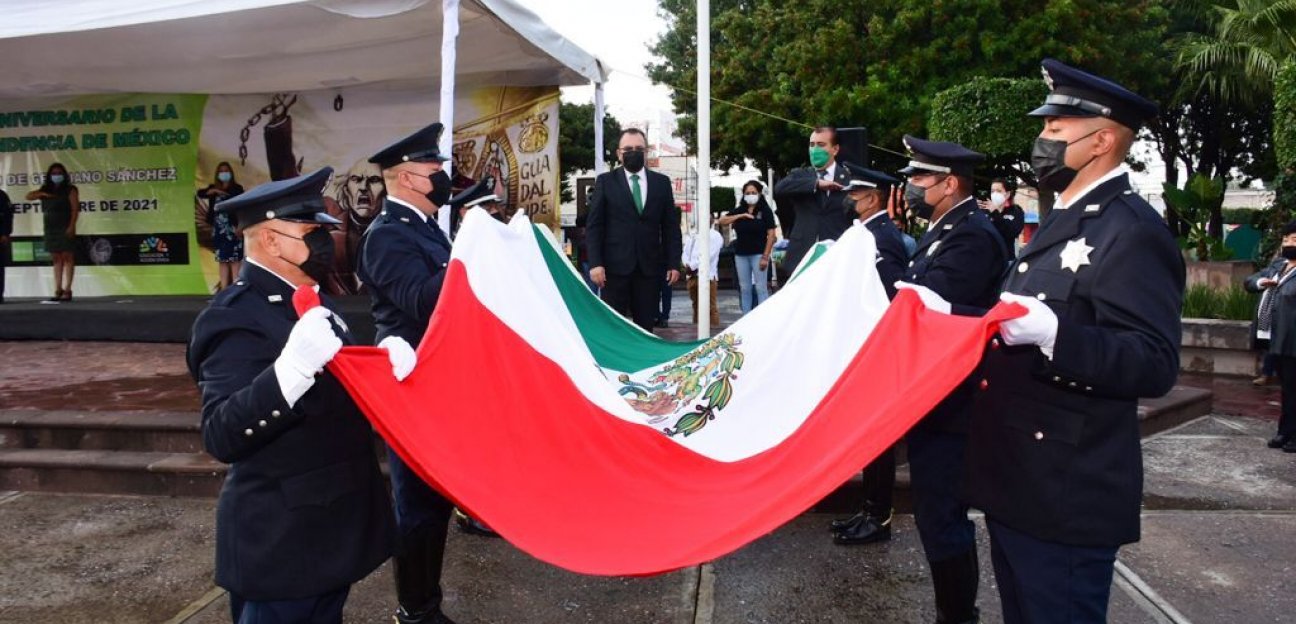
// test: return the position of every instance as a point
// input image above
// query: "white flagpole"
(703, 243)
(449, 43)
(599, 165)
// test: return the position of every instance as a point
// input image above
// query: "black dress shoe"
(842, 524)
(870, 530)
(663, 323)
(469, 524)
(1290, 446)
(435, 617)
(1279, 441)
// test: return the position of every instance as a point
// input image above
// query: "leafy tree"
(1193, 204)
(879, 63)
(1284, 129)
(576, 142)
(1237, 58)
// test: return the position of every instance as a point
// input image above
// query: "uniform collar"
(275, 287)
(955, 213)
(416, 211)
(874, 217)
(1107, 177)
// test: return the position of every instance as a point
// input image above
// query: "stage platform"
(134, 319)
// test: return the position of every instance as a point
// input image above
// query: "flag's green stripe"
(615, 343)
(816, 253)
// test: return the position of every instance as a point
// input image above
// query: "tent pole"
(599, 113)
(703, 242)
(449, 42)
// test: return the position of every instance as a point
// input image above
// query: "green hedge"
(1233, 304)
(989, 115)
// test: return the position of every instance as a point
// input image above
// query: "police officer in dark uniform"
(304, 511)
(962, 258)
(866, 199)
(1054, 455)
(815, 194)
(480, 194)
(402, 261)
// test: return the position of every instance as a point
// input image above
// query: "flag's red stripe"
(504, 432)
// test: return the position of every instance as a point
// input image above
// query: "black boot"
(955, 582)
(417, 568)
(471, 525)
(842, 524)
(869, 530)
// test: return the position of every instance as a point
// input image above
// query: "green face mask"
(818, 157)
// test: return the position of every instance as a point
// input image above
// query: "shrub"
(1233, 303)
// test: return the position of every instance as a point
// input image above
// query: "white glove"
(1039, 326)
(929, 297)
(401, 355)
(311, 345)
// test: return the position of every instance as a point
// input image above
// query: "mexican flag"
(597, 447)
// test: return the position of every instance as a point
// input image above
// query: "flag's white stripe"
(797, 343)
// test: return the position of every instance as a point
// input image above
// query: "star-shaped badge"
(1076, 255)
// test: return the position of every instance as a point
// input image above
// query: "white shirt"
(1114, 173)
(830, 171)
(643, 183)
(281, 278)
(406, 204)
(692, 253)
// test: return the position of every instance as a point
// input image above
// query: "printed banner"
(138, 161)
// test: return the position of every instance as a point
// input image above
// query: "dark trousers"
(1041, 582)
(879, 484)
(635, 296)
(422, 518)
(322, 609)
(667, 295)
(1287, 377)
(4, 262)
(935, 476)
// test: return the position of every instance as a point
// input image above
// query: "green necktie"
(638, 194)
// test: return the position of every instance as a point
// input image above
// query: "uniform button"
(911, 263)
(262, 423)
(985, 383)
(1023, 267)
(275, 414)
(1041, 296)
(1088, 388)
(1072, 384)
(994, 343)
(1039, 435)
(1057, 379)
(247, 432)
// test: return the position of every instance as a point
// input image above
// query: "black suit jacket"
(304, 509)
(624, 242)
(819, 215)
(1282, 326)
(962, 258)
(403, 261)
(891, 256)
(1053, 448)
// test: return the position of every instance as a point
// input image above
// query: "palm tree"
(1237, 57)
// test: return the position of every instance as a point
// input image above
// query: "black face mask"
(1048, 160)
(633, 161)
(319, 259)
(916, 200)
(849, 205)
(1289, 252)
(440, 193)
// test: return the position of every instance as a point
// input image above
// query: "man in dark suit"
(6, 230)
(633, 233)
(402, 260)
(962, 258)
(1053, 454)
(304, 511)
(866, 195)
(815, 194)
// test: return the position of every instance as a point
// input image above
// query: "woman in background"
(228, 243)
(60, 205)
(753, 225)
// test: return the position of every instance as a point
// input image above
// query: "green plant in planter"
(1193, 204)
(1233, 303)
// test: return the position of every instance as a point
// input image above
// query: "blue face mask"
(224, 176)
(57, 178)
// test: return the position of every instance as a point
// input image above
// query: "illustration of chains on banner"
(517, 148)
(278, 137)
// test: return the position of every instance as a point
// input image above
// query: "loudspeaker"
(854, 146)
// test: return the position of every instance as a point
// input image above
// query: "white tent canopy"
(263, 46)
